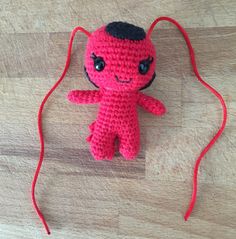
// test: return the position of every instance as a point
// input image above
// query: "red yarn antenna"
(40, 131)
(217, 94)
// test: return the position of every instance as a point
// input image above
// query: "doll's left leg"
(129, 142)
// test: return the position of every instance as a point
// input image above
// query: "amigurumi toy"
(120, 61)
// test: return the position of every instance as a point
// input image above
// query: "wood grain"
(141, 199)
(53, 16)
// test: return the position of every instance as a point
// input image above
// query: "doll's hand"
(84, 96)
(151, 104)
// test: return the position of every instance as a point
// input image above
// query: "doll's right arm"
(84, 96)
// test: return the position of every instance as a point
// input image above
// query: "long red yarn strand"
(40, 131)
(217, 94)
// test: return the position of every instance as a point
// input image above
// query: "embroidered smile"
(123, 81)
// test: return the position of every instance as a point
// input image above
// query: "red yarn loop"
(40, 131)
(217, 94)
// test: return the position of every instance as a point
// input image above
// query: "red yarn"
(40, 131)
(217, 94)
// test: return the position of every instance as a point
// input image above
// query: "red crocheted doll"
(120, 60)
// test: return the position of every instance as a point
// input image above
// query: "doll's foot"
(127, 154)
(101, 154)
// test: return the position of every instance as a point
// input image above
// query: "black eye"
(99, 63)
(144, 65)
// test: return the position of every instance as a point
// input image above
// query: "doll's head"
(120, 57)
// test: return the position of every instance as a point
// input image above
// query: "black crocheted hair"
(124, 30)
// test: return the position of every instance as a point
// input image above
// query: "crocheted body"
(117, 119)
(120, 61)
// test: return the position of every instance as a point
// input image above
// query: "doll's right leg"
(102, 144)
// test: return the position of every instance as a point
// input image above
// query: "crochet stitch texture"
(119, 83)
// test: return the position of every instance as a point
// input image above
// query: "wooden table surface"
(144, 198)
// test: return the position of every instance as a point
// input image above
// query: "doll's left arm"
(151, 104)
